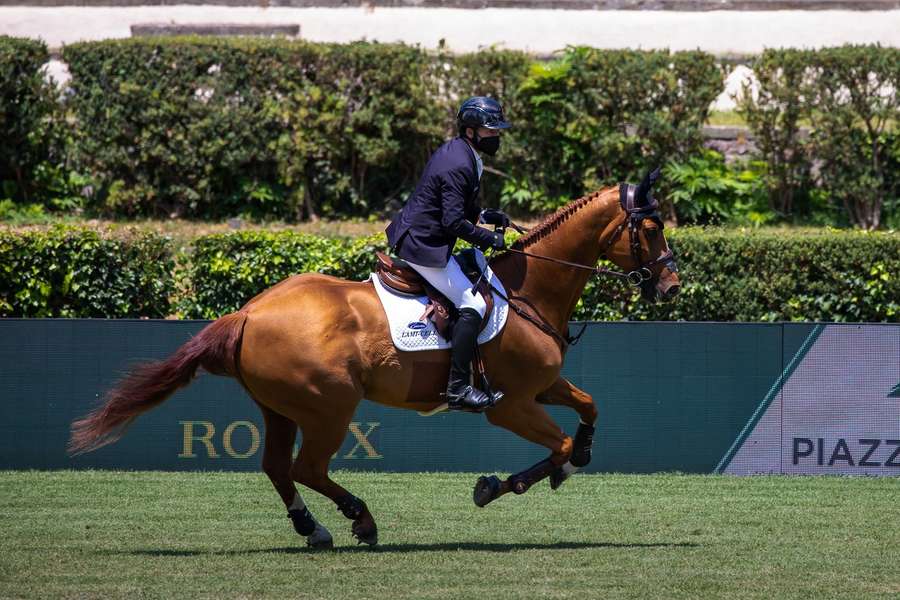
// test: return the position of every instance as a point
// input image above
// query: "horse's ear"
(646, 185)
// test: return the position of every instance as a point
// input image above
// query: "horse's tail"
(149, 384)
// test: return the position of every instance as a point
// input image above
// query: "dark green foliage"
(29, 138)
(848, 97)
(768, 275)
(77, 272)
(597, 117)
(856, 119)
(704, 190)
(774, 117)
(227, 270)
(215, 127)
(728, 274)
(357, 135)
(271, 129)
(183, 126)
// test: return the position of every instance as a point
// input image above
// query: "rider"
(444, 207)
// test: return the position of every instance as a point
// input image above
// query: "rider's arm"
(453, 218)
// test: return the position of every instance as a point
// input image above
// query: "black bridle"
(639, 204)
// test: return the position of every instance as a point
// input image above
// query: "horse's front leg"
(530, 421)
(563, 393)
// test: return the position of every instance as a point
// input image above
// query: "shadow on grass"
(404, 548)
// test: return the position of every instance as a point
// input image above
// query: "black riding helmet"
(480, 111)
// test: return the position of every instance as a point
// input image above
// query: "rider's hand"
(494, 216)
(499, 242)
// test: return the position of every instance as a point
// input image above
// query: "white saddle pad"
(410, 334)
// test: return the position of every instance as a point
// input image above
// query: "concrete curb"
(630, 5)
(154, 29)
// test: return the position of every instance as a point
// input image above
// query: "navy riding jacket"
(444, 207)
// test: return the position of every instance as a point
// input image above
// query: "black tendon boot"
(460, 394)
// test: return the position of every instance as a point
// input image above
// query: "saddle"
(396, 274)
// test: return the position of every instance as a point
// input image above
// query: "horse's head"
(638, 244)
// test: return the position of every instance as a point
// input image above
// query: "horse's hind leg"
(563, 393)
(277, 457)
(321, 439)
(530, 421)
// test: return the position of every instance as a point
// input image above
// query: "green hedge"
(769, 275)
(208, 128)
(729, 274)
(217, 127)
(27, 110)
(225, 270)
(848, 97)
(77, 272)
(598, 117)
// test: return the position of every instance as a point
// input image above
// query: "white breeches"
(451, 282)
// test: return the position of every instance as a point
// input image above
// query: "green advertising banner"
(694, 397)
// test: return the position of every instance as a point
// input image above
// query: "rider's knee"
(474, 301)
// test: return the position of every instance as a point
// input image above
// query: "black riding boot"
(460, 394)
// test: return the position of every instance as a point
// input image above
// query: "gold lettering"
(254, 439)
(362, 440)
(189, 438)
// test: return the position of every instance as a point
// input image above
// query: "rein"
(564, 340)
(594, 270)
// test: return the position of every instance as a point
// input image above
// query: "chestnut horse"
(310, 348)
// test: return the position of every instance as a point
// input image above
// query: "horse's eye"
(652, 232)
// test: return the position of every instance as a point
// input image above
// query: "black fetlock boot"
(460, 394)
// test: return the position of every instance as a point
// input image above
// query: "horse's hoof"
(486, 490)
(320, 539)
(365, 535)
(557, 478)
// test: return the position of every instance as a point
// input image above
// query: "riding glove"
(494, 216)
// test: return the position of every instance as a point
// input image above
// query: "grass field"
(161, 535)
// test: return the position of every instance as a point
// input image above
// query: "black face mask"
(488, 145)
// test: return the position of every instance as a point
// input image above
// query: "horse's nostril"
(673, 291)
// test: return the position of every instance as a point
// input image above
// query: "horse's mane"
(551, 222)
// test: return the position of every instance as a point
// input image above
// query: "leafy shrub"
(728, 274)
(77, 272)
(775, 114)
(358, 134)
(209, 128)
(596, 117)
(848, 96)
(227, 270)
(707, 191)
(182, 126)
(856, 105)
(30, 142)
(768, 275)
